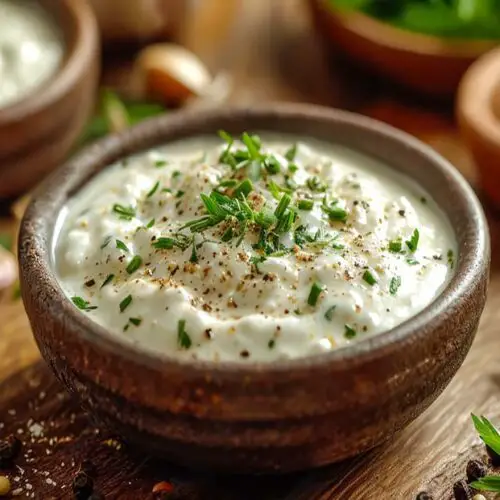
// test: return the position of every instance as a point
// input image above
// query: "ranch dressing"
(323, 247)
(31, 49)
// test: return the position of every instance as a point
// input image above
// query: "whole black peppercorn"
(89, 468)
(476, 469)
(462, 491)
(423, 495)
(82, 486)
(494, 457)
(9, 449)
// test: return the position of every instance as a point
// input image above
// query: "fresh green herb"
(292, 168)
(228, 183)
(305, 204)
(291, 153)
(126, 213)
(183, 339)
(254, 170)
(412, 243)
(487, 432)
(106, 241)
(272, 165)
(244, 188)
(315, 184)
(315, 292)
(395, 246)
(256, 260)
(394, 285)
(108, 280)
(153, 190)
(120, 245)
(180, 241)
(175, 174)
(82, 304)
(180, 194)
(271, 344)
(451, 258)
(253, 145)
(150, 224)
(125, 303)
(227, 235)
(334, 212)
(265, 218)
(282, 205)
(135, 321)
(134, 264)
(290, 185)
(487, 483)
(411, 262)
(194, 254)
(349, 332)
(329, 313)
(369, 278)
(160, 163)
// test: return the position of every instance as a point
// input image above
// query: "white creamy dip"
(31, 49)
(327, 248)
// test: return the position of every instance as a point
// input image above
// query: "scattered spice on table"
(462, 491)
(476, 469)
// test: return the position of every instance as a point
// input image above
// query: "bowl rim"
(36, 246)
(67, 75)
(392, 37)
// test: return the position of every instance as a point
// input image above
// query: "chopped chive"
(292, 168)
(135, 321)
(369, 278)
(244, 188)
(395, 246)
(125, 303)
(282, 205)
(315, 184)
(274, 190)
(265, 218)
(108, 280)
(349, 332)
(82, 304)
(290, 185)
(411, 262)
(160, 163)
(228, 183)
(335, 213)
(153, 190)
(315, 292)
(394, 285)
(225, 137)
(150, 224)
(180, 194)
(227, 235)
(252, 145)
(164, 243)
(329, 313)
(183, 339)
(254, 170)
(121, 246)
(194, 255)
(106, 241)
(412, 243)
(134, 264)
(126, 213)
(175, 174)
(451, 258)
(272, 165)
(305, 204)
(291, 153)
(271, 344)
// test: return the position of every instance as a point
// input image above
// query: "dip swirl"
(252, 250)
(31, 49)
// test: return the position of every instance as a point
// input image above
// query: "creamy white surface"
(31, 49)
(232, 310)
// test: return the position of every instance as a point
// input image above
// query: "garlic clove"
(169, 72)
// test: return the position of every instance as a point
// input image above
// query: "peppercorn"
(89, 468)
(83, 485)
(9, 449)
(423, 495)
(476, 469)
(494, 456)
(462, 491)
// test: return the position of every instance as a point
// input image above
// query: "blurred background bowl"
(38, 132)
(429, 64)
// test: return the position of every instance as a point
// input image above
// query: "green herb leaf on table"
(487, 483)
(487, 432)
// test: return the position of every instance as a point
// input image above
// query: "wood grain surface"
(270, 54)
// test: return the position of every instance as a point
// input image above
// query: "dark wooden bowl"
(478, 113)
(38, 131)
(260, 417)
(429, 64)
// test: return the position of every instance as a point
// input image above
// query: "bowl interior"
(397, 149)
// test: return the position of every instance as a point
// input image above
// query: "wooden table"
(271, 54)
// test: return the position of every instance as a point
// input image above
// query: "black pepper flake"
(90, 283)
(476, 469)
(209, 334)
(83, 485)
(462, 491)
(402, 213)
(244, 354)
(9, 450)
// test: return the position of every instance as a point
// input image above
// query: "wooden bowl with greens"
(426, 46)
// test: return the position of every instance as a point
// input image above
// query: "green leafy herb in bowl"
(472, 19)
